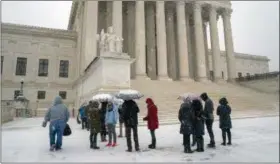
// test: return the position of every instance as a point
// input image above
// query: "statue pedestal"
(107, 73)
(115, 69)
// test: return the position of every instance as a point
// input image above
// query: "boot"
(187, 149)
(224, 140)
(52, 148)
(129, 150)
(96, 147)
(211, 145)
(153, 145)
(229, 139)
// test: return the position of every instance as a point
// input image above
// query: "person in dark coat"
(152, 118)
(130, 116)
(224, 111)
(186, 119)
(208, 114)
(120, 110)
(198, 124)
(102, 120)
(93, 116)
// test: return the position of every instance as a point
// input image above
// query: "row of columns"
(165, 35)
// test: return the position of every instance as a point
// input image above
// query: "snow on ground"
(254, 140)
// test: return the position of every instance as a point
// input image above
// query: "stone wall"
(36, 43)
(7, 111)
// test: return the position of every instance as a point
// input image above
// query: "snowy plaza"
(254, 140)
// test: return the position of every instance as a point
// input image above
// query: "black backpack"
(67, 131)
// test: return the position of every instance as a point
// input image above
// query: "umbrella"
(129, 94)
(192, 96)
(118, 101)
(103, 97)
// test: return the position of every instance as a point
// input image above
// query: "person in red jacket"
(152, 118)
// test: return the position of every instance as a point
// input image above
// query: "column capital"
(196, 5)
(226, 12)
(180, 3)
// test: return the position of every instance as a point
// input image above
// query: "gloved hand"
(44, 124)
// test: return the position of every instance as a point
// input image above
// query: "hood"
(95, 104)
(204, 96)
(223, 101)
(149, 101)
(57, 100)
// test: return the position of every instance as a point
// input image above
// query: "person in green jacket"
(93, 116)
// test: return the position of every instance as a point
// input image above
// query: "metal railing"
(262, 76)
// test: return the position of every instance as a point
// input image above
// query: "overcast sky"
(255, 24)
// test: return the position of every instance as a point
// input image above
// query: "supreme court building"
(168, 39)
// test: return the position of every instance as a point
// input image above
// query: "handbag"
(67, 130)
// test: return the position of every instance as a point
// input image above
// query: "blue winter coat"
(82, 112)
(111, 116)
(58, 111)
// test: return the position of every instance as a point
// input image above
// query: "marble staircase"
(245, 102)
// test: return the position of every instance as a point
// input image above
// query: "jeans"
(209, 126)
(56, 130)
(153, 137)
(112, 133)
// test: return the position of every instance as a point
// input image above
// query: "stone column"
(171, 43)
(230, 58)
(215, 45)
(117, 17)
(90, 25)
(199, 44)
(206, 50)
(182, 41)
(161, 41)
(151, 41)
(131, 35)
(190, 46)
(140, 48)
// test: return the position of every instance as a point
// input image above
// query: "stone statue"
(102, 40)
(119, 44)
(111, 39)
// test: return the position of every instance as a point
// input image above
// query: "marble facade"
(166, 38)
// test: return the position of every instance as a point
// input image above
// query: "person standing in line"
(208, 114)
(120, 110)
(83, 117)
(111, 118)
(93, 116)
(130, 116)
(103, 131)
(224, 111)
(152, 118)
(58, 116)
(198, 124)
(186, 119)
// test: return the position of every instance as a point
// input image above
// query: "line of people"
(192, 117)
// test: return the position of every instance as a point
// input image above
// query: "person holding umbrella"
(130, 116)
